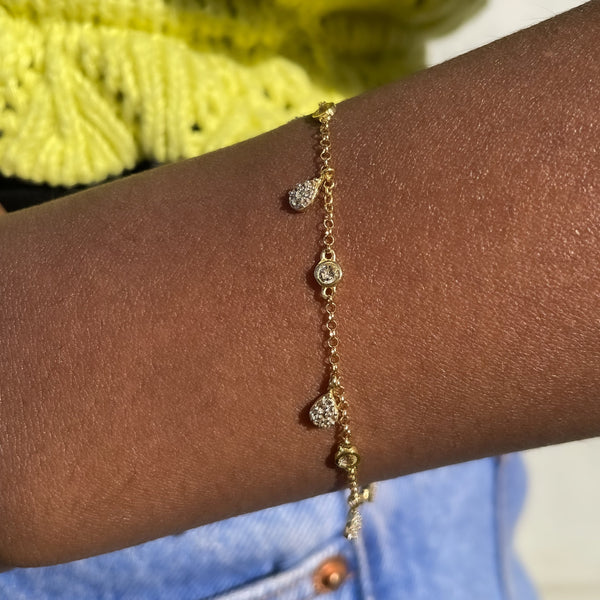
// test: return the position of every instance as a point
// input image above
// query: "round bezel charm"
(328, 272)
(347, 457)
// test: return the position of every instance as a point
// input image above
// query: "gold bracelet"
(332, 408)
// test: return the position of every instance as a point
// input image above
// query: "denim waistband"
(444, 533)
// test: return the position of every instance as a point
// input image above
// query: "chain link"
(332, 408)
(356, 497)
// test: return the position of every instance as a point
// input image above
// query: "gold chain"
(332, 407)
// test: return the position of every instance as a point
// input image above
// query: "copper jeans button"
(330, 574)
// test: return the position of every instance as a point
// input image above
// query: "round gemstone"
(346, 457)
(328, 272)
(346, 460)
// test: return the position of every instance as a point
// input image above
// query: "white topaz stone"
(328, 272)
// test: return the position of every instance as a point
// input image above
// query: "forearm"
(162, 339)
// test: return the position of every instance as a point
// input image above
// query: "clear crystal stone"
(328, 272)
(345, 461)
(346, 457)
(324, 412)
(304, 194)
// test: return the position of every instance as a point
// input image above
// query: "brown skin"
(161, 335)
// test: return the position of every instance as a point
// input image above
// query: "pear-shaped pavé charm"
(324, 412)
(304, 194)
(353, 524)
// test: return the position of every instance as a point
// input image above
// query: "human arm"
(161, 339)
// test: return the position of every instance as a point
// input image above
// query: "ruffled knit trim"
(90, 88)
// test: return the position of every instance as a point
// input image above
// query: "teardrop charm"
(304, 194)
(324, 412)
(353, 524)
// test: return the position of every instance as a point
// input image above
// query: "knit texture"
(89, 88)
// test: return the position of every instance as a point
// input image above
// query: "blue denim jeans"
(439, 534)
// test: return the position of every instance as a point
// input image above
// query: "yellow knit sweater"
(90, 87)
